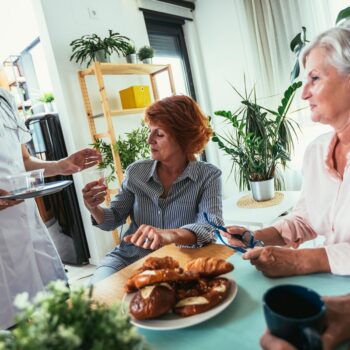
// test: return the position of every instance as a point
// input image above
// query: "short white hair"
(337, 43)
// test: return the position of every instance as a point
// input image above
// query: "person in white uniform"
(28, 257)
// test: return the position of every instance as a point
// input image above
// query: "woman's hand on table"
(7, 203)
(281, 262)
(275, 261)
(150, 237)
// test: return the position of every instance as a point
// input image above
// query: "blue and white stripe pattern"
(196, 191)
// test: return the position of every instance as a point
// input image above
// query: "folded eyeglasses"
(247, 237)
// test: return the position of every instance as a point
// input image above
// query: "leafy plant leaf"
(342, 15)
(133, 146)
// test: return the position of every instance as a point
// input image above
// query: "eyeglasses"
(247, 237)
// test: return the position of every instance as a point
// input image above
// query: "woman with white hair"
(323, 208)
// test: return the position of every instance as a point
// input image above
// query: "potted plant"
(146, 54)
(130, 54)
(91, 47)
(47, 98)
(52, 321)
(262, 139)
(132, 147)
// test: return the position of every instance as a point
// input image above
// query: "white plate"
(46, 189)
(173, 321)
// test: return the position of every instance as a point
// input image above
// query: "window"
(166, 37)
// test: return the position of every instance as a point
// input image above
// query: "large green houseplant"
(261, 139)
(133, 146)
(91, 47)
(52, 321)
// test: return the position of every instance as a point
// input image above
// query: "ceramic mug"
(296, 314)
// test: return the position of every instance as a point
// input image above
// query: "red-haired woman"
(165, 196)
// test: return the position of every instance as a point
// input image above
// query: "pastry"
(149, 277)
(151, 263)
(209, 267)
(167, 262)
(152, 301)
(216, 291)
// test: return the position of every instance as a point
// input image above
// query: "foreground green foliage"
(54, 322)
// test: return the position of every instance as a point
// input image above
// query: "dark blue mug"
(296, 314)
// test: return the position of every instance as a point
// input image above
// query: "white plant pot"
(48, 106)
(100, 56)
(263, 190)
(147, 61)
(131, 58)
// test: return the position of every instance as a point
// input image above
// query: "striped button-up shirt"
(195, 191)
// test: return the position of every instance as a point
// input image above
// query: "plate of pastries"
(162, 295)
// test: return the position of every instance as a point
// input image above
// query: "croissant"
(209, 267)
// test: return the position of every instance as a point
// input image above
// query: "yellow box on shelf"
(137, 96)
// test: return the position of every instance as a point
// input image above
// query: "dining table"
(238, 326)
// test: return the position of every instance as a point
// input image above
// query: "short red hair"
(182, 118)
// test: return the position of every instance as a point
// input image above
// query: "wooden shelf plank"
(116, 112)
(126, 69)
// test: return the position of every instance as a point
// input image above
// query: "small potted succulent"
(146, 54)
(46, 99)
(91, 47)
(130, 54)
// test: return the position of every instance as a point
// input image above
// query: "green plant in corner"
(261, 139)
(90, 47)
(299, 42)
(132, 147)
(53, 322)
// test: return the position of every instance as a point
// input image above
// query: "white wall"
(18, 27)
(227, 51)
(219, 54)
(59, 23)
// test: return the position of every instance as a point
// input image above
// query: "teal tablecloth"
(242, 323)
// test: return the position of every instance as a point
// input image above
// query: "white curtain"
(271, 25)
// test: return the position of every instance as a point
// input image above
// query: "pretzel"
(216, 291)
(154, 263)
(209, 267)
(151, 263)
(152, 301)
(149, 277)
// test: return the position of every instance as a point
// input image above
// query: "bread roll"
(151, 263)
(149, 277)
(217, 291)
(152, 301)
